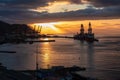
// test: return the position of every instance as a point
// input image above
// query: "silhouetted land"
(14, 33)
(6, 28)
(54, 73)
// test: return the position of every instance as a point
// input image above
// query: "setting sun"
(48, 28)
(47, 25)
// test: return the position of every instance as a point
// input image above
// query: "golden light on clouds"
(62, 6)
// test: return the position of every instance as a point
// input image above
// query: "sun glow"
(48, 28)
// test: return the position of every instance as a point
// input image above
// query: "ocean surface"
(101, 59)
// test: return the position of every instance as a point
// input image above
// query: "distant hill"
(4, 23)
(4, 27)
(13, 28)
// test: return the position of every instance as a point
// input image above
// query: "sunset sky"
(63, 15)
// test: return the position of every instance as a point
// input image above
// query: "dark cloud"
(39, 3)
(26, 16)
(103, 3)
(18, 11)
(23, 3)
(31, 3)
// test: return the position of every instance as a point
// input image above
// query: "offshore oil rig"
(89, 37)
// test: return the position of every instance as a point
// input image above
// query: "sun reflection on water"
(45, 53)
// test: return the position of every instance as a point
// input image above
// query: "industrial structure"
(89, 36)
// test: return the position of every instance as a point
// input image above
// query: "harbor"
(59, 39)
(30, 55)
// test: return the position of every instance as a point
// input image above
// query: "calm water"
(102, 59)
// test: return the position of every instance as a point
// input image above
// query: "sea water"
(101, 59)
